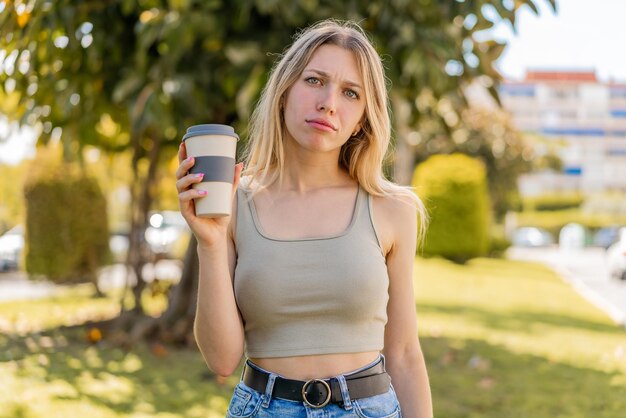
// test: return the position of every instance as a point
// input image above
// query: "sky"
(583, 35)
(19, 145)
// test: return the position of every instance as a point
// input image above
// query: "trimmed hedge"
(67, 235)
(550, 202)
(553, 221)
(454, 190)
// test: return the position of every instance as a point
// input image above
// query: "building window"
(616, 152)
(618, 93)
(563, 93)
(517, 91)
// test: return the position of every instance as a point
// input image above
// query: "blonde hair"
(362, 155)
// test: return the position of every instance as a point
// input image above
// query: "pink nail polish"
(202, 192)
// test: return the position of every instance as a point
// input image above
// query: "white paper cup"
(213, 148)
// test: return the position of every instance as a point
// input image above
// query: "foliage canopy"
(108, 71)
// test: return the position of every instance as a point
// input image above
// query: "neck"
(303, 178)
(306, 171)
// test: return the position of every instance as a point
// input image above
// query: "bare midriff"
(316, 366)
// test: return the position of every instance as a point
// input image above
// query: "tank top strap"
(365, 215)
(360, 209)
(244, 222)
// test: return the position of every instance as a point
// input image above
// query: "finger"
(186, 181)
(184, 167)
(182, 152)
(191, 194)
(238, 170)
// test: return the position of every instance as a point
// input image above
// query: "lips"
(321, 124)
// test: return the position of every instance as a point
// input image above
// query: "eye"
(351, 94)
(313, 80)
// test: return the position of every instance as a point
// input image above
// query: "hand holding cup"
(207, 178)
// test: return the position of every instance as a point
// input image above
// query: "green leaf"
(127, 87)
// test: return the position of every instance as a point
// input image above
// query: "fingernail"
(200, 175)
(202, 192)
(189, 159)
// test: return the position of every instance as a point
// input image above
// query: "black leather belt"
(317, 393)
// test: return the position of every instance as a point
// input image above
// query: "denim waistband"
(363, 382)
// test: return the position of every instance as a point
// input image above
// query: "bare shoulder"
(395, 220)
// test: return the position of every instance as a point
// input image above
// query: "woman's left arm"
(403, 354)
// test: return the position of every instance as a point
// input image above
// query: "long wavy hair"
(362, 155)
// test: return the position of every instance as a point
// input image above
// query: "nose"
(327, 101)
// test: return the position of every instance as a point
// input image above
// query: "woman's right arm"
(218, 326)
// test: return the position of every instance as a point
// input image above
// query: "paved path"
(585, 269)
(16, 285)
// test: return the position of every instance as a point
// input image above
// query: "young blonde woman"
(311, 276)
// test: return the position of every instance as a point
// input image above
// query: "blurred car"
(616, 256)
(11, 247)
(530, 236)
(605, 237)
(572, 236)
(165, 230)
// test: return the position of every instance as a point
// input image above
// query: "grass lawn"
(501, 338)
(510, 339)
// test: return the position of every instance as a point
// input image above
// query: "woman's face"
(326, 104)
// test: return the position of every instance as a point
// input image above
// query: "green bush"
(559, 201)
(454, 190)
(498, 246)
(553, 221)
(67, 236)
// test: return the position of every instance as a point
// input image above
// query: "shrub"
(553, 221)
(454, 190)
(498, 246)
(558, 201)
(67, 236)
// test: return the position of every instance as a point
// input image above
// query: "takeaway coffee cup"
(213, 148)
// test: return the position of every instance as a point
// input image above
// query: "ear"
(283, 99)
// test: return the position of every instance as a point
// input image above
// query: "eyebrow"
(326, 75)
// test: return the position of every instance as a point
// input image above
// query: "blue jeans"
(247, 403)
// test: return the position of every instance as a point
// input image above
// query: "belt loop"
(243, 370)
(269, 388)
(345, 394)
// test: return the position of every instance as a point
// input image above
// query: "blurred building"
(578, 117)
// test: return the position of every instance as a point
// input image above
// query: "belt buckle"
(306, 386)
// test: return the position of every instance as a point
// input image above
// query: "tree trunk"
(404, 156)
(175, 325)
(403, 162)
(140, 216)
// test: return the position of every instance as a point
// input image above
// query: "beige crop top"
(310, 296)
